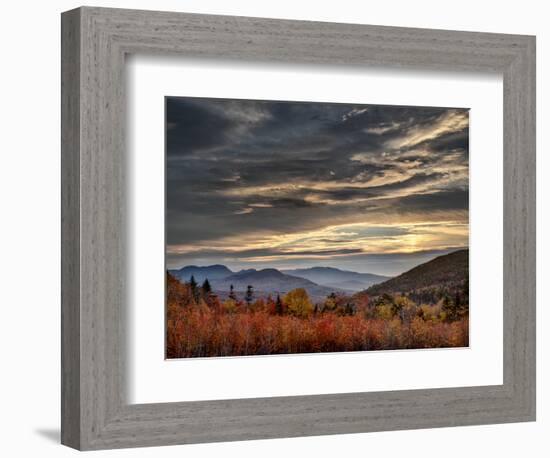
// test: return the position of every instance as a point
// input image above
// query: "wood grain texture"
(70, 229)
(96, 413)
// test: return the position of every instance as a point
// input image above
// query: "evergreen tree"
(278, 306)
(194, 289)
(249, 296)
(232, 295)
(206, 288)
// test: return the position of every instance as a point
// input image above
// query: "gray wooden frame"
(95, 413)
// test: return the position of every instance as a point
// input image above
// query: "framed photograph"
(304, 192)
(280, 228)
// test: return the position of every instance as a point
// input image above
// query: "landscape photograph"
(309, 227)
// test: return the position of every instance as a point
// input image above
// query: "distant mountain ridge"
(337, 278)
(449, 271)
(273, 281)
(270, 281)
(213, 272)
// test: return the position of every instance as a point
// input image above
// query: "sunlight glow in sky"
(286, 185)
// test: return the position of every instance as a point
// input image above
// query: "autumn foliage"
(199, 324)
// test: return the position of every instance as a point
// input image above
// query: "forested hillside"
(426, 307)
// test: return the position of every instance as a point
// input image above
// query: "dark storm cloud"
(449, 142)
(237, 167)
(347, 193)
(453, 199)
(193, 126)
(269, 252)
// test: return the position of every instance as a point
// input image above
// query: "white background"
(29, 189)
(155, 380)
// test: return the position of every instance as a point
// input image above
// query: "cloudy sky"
(370, 188)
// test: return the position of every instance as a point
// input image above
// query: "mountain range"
(336, 278)
(214, 272)
(449, 272)
(270, 281)
(317, 281)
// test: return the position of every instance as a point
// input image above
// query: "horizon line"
(442, 252)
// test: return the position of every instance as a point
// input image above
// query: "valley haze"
(317, 281)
